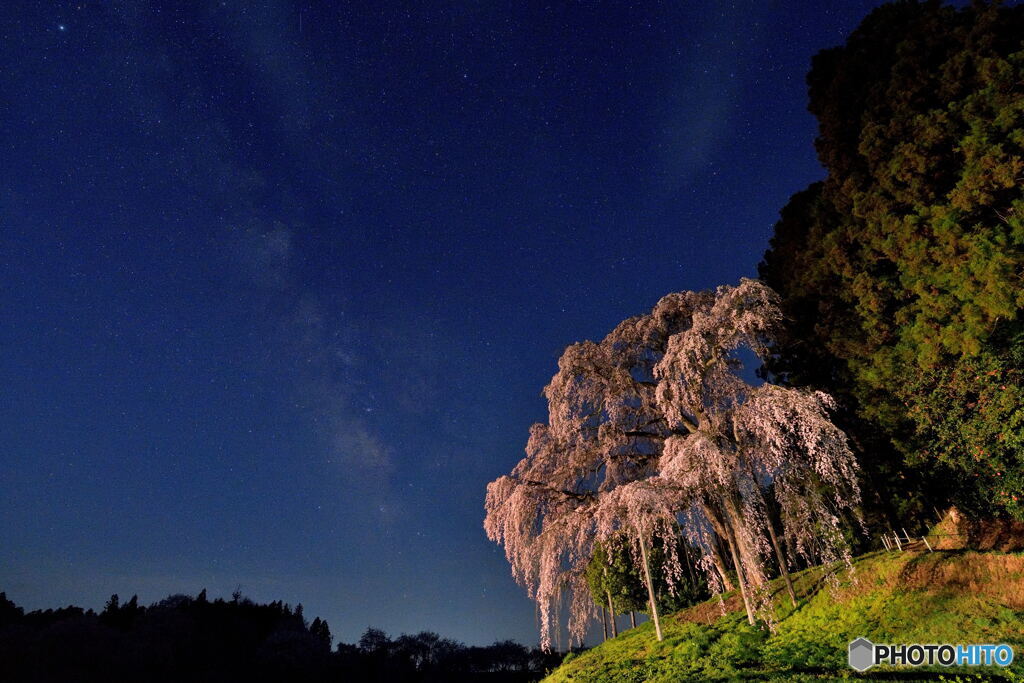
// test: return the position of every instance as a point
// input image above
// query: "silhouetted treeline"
(196, 639)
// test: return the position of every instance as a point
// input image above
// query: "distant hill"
(957, 596)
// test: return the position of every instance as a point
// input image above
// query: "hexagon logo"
(862, 654)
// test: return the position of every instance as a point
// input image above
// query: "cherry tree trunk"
(611, 615)
(650, 585)
(632, 619)
(611, 608)
(748, 554)
(779, 555)
(716, 555)
(689, 565)
(782, 561)
(714, 516)
(604, 624)
(740, 577)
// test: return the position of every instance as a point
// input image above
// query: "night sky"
(281, 282)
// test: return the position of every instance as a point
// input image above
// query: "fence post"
(897, 537)
(885, 543)
(929, 545)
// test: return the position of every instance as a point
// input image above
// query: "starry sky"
(282, 280)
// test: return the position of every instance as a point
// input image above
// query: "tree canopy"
(656, 432)
(902, 270)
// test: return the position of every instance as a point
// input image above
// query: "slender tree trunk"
(787, 551)
(716, 555)
(714, 515)
(689, 565)
(604, 624)
(740, 578)
(770, 518)
(611, 615)
(632, 619)
(782, 562)
(611, 608)
(748, 554)
(558, 633)
(650, 585)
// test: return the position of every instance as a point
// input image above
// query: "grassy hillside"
(908, 597)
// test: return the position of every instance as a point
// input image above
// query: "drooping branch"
(568, 494)
(655, 429)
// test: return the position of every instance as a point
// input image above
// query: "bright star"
(61, 27)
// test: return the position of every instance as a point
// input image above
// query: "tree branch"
(564, 492)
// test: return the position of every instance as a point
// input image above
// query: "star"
(62, 27)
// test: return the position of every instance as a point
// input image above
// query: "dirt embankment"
(956, 532)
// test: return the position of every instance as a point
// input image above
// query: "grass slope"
(908, 597)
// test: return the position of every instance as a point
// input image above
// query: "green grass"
(911, 597)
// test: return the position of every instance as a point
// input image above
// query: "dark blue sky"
(282, 281)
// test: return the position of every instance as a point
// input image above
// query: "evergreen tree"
(901, 271)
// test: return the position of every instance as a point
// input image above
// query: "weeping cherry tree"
(654, 431)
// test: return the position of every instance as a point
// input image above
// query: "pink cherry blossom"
(656, 432)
